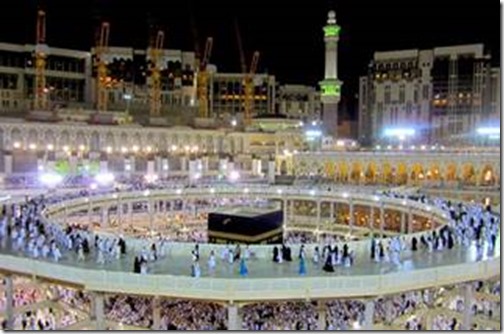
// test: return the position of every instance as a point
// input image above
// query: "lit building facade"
(71, 78)
(299, 102)
(443, 95)
(227, 95)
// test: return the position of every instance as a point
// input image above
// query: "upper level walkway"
(170, 275)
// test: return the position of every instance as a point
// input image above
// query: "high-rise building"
(331, 86)
(428, 96)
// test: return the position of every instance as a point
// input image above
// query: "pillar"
(322, 312)
(183, 163)
(468, 301)
(331, 213)
(130, 212)
(271, 171)
(104, 217)
(318, 216)
(234, 318)
(119, 212)
(382, 219)
(291, 210)
(285, 202)
(99, 313)
(352, 218)
(8, 164)
(151, 214)
(9, 303)
(410, 219)
(403, 222)
(156, 314)
(428, 320)
(369, 315)
(371, 221)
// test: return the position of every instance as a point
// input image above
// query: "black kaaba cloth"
(245, 225)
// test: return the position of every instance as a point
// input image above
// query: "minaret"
(331, 86)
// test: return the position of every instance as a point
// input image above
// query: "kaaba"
(245, 225)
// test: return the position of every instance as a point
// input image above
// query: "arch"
(49, 138)
(94, 142)
(451, 172)
(16, 136)
(33, 136)
(433, 173)
(80, 139)
(468, 174)
(283, 167)
(162, 143)
(329, 169)
(355, 174)
(417, 172)
(487, 176)
(174, 139)
(209, 143)
(371, 172)
(64, 139)
(402, 173)
(137, 140)
(124, 138)
(343, 171)
(110, 140)
(387, 175)
(150, 141)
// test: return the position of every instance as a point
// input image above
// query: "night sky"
(287, 33)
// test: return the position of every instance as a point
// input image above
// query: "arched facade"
(401, 168)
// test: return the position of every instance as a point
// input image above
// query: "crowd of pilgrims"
(178, 314)
(30, 233)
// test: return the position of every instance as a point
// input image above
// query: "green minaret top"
(331, 29)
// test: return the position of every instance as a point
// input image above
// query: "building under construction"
(155, 81)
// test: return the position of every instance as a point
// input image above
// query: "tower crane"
(248, 82)
(155, 88)
(202, 79)
(102, 76)
(41, 51)
(249, 88)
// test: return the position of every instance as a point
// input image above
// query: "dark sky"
(287, 33)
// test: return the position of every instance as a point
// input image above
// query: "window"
(415, 95)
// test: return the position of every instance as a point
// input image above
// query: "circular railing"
(457, 266)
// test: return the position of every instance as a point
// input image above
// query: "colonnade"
(123, 208)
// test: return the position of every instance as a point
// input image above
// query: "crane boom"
(249, 88)
(155, 96)
(202, 79)
(40, 93)
(207, 54)
(253, 65)
(102, 75)
(240, 47)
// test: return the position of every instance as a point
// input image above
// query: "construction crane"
(155, 88)
(202, 79)
(102, 77)
(41, 51)
(248, 82)
(249, 88)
